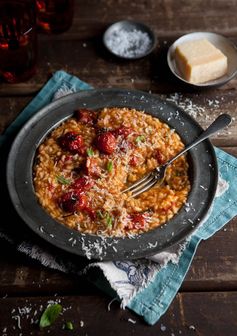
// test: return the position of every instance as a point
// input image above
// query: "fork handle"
(220, 122)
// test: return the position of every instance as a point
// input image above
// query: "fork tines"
(143, 184)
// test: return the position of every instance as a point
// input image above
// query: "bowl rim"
(20, 183)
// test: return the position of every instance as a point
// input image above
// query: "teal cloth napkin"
(153, 300)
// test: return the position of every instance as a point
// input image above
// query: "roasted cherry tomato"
(82, 184)
(72, 142)
(123, 131)
(73, 201)
(85, 116)
(106, 142)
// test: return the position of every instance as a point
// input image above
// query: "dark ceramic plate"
(203, 174)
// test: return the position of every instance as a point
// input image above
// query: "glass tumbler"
(18, 40)
(54, 16)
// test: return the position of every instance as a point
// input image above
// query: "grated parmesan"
(132, 321)
(163, 327)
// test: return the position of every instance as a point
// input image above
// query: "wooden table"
(207, 301)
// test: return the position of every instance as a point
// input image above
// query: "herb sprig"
(109, 166)
(61, 179)
(106, 217)
(140, 139)
(109, 220)
(90, 152)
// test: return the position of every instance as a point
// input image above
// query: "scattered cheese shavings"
(114, 299)
(132, 321)
(163, 327)
(18, 319)
(191, 327)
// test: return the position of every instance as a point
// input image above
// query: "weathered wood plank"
(10, 108)
(213, 268)
(20, 275)
(165, 17)
(80, 52)
(201, 314)
(92, 63)
(203, 106)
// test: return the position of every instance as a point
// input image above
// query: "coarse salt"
(129, 44)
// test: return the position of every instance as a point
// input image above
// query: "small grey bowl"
(138, 39)
(222, 43)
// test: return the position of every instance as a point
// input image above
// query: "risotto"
(81, 168)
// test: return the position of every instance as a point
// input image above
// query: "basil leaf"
(99, 214)
(90, 152)
(68, 325)
(61, 179)
(110, 166)
(109, 220)
(50, 315)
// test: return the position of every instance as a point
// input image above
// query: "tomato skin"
(73, 201)
(137, 220)
(90, 212)
(123, 131)
(82, 184)
(72, 142)
(85, 116)
(106, 142)
(159, 157)
(134, 161)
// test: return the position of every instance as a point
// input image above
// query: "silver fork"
(158, 174)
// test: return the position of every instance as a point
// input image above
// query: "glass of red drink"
(18, 40)
(54, 16)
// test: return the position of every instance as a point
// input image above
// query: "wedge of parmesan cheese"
(199, 61)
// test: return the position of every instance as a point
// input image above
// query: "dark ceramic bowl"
(203, 174)
(129, 39)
